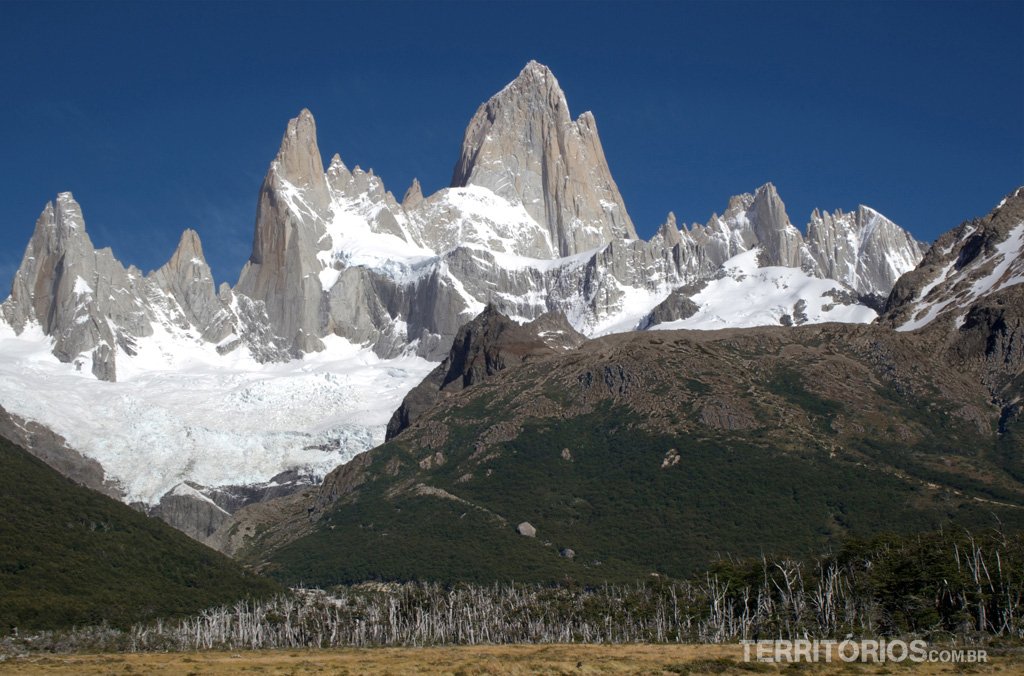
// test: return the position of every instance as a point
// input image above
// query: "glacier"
(181, 412)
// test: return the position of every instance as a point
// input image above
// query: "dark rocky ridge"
(968, 251)
(677, 306)
(490, 343)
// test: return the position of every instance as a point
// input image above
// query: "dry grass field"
(518, 659)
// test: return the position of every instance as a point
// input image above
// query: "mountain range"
(195, 401)
(523, 456)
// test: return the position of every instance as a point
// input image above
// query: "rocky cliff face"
(976, 260)
(191, 512)
(54, 450)
(523, 145)
(863, 249)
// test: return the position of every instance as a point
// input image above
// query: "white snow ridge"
(749, 295)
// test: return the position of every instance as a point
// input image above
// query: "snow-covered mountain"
(350, 296)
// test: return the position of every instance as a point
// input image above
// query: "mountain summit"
(523, 146)
(80, 296)
(290, 231)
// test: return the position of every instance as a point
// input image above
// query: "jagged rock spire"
(187, 278)
(781, 243)
(59, 230)
(413, 196)
(523, 145)
(290, 230)
(669, 232)
(298, 159)
(863, 249)
(82, 297)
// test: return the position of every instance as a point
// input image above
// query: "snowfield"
(747, 296)
(181, 411)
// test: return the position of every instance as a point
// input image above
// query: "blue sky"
(165, 116)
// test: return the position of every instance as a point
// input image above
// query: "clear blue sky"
(165, 116)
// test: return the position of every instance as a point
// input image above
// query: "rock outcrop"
(191, 512)
(413, 196)
(490, 343)
(526, 529)
(677, 306)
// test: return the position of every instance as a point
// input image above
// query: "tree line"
(937, 586)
